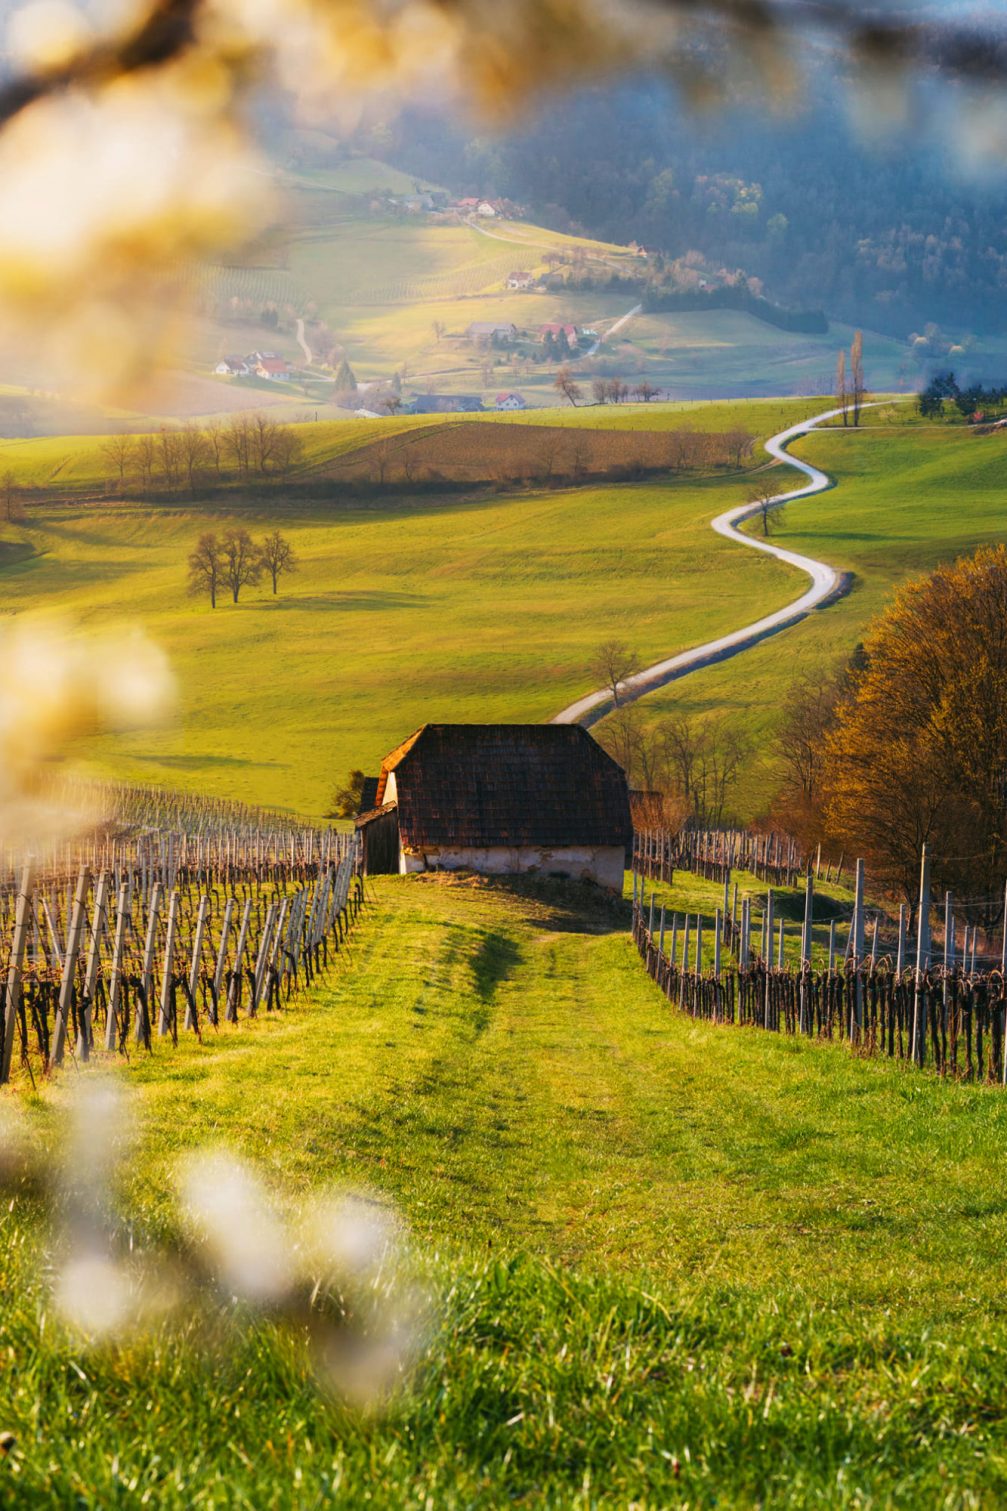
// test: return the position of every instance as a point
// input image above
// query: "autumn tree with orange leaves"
(918, 751)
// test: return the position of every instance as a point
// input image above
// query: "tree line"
(181, 457)
(234, 561)
(972, 401)
(907, 745)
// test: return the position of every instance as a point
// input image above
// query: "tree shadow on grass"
(494, 961)
(565, 907)
(197, 762)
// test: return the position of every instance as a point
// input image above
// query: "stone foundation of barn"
(603, 864)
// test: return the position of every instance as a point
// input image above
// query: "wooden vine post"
(16, 967)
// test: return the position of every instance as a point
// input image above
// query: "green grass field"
(486, 608)
(399, 614)
(906, 500)
(669, 1264)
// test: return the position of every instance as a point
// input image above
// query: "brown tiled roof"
(368, 817)
(507, 784)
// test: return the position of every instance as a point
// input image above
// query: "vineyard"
(894, 994)
(175, 913)
(262, 286)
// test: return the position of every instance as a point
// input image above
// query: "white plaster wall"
(391, 789)
(604, 864)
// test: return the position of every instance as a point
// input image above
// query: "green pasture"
(905, 500)
(402, 612)
(667, 1264)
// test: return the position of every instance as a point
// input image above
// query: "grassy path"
(677, 1265)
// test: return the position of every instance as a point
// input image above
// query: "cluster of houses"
(554, 333)
(436, 202)
(269, 365)
(460, 403)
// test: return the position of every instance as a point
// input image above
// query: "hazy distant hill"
(892, 233)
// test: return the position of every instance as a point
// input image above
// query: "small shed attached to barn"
(502, 799)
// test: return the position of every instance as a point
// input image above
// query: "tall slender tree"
(842, 391)
(857, 385)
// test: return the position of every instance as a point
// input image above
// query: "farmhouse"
(518, 280)
(232, 367)
(555, 328)
(501, 799)
(499, 331)
(510, 401)
(276, 369)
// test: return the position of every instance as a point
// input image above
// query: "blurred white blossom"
(57, 685)
(227, 1206)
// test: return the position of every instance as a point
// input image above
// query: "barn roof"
(507, 784)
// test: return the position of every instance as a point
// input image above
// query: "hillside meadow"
(483, 607)
(664, 1263)
(399, 614)
(906, 498)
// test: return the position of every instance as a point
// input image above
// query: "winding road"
(825, 582)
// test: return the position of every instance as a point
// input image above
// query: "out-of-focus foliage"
(126, 149)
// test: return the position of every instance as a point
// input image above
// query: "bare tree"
(206, 568)
(738, 444)
(858, 388)
(762, 493)
(194, 452)
(216, 443)
(277, 556)
(242, 562)
(169, 454)
(286, 449)
(599, 390)
(612, 663)
(146, 458)
(566, 384)
(119, 450)
(239, 442)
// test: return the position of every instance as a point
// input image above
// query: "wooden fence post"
(164, 1018)
(115, 979)
(94, 959)
(147, 969)
(922, 957)
(191, 1015)
(15, 970)
(66, 990)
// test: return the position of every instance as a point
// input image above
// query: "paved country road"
(825, 581)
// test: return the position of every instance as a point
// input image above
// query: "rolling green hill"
(907, 498)
(480, 607)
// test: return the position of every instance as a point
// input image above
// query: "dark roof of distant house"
(368, 794)
(491, 327)
(454, 403)
(507, 784)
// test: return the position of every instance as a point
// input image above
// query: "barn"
(501, 799)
